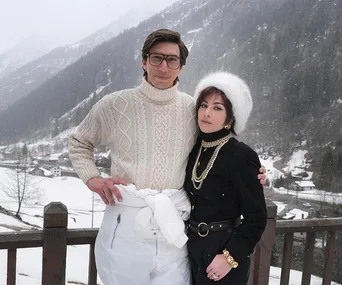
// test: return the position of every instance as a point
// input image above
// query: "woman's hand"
(218, 268)
(262, 175)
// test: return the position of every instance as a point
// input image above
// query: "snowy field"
(78, 199)
(317, 195)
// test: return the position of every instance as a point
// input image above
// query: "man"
(150, 130)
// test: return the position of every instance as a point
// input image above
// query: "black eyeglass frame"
(165, 57)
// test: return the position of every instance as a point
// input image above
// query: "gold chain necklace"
(218, 143)
(215, 143)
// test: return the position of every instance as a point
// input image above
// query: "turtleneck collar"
(156, 95)
(210, 137)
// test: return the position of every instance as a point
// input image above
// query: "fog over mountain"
(24, 68)
(289, 52)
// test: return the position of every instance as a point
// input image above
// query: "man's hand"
(105, 187)
(262, 176)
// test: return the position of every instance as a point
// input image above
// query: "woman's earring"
(227, 127)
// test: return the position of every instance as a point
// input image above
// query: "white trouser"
(123, 258)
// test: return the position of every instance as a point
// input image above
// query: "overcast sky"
(67, 20)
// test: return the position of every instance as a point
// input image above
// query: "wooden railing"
(55, 237)
(310, 227)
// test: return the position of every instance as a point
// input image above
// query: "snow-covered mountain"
(24, 52)
(289, 53)
(33, 61)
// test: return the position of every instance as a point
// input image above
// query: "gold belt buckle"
(199, 225)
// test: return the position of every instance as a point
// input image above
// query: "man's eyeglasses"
(155, 59)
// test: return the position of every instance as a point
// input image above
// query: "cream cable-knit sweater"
(150, 133)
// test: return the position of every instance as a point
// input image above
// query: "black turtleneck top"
(231, 189)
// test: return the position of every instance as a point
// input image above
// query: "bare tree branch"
(20, 185)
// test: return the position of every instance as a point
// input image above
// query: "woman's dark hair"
(226, 102)
(165, 35)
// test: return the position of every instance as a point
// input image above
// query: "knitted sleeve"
(253, 208)
(90, 133)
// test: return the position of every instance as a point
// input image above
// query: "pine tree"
(24, 151)
(327, 168)
(55, 128)
(339, 166)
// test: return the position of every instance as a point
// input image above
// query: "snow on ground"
(68, 190)
(293, 214)
(317, 195)
(298, 164)
(295, 277)
(309, 175)
(50, 141)
(8, 223)
(78, 199)
(298, 214)
(271, 172)
(280, 206)
(29, 265)
(297, 160)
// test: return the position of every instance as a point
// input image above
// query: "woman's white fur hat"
(236, 91)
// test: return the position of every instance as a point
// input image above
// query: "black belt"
(203, 229)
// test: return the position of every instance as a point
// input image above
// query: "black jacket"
(230, 190)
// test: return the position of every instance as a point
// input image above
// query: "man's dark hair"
(165, 35)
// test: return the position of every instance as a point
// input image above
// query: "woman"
(221, 180)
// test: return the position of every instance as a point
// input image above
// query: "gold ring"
(215, 276)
